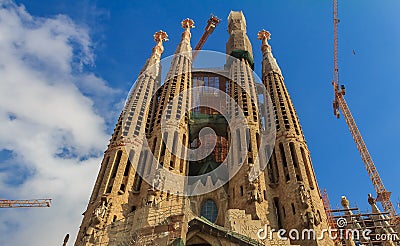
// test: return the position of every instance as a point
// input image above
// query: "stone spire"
(118, 176)
(238, 39)
(269, 62)
(183, 52)
(246, 130)
(157, 51)
(184, 45)
(168, 128)
(293, 188)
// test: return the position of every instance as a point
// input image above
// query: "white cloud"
(52, 120)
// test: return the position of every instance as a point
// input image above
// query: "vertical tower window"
(248, 140)
(277, 212)
(175, 159)
(239, 144)
(174, 142)
(129, 162)
(116, 164)
(154, 146)
(308, 171)
(293, 209)
(182, 164)
(273, 172)
(137, 182)
(295, 161)
(114, 171)
(101, 177)
(284, 162)
(164, 144)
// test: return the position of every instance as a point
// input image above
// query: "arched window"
(181, 168)
(101, 177)
(129, 162)
(209, 210)
(285, 166)
(116, 164)
(164, 144)
(295, 161)
(308, 172)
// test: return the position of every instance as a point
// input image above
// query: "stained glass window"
(209, 210)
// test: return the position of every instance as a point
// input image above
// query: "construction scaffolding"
(363, 228)
(329, 215)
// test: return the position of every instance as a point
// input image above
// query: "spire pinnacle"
(269, 62)
(159, 37)
(264, 36)
(158, 49)
(187, 24)
(184, 45)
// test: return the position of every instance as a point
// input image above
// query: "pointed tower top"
(269, 62)
(184, 45)
(236, 21)
(187, 23)
(264, 36)
(159, 37)
(158, 49)
(238, 44)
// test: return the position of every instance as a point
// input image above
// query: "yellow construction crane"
(41, 203)
(339, 104)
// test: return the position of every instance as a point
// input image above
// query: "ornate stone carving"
(101, 210)
(304, 196)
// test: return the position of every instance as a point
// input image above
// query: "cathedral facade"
(192, 161)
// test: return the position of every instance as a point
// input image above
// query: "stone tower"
(296, 202)
(117, 178)
(151, 188)
(246, 194)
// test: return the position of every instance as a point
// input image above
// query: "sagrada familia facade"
(140, 196)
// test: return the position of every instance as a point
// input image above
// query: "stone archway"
(198, 238)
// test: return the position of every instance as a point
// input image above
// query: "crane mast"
(339, 104)
(211, 24)
(25, 203)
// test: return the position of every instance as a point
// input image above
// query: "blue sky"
(115, 38)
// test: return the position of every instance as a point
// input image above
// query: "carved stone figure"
(101, 210)
(310, 218)
(304, 196)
